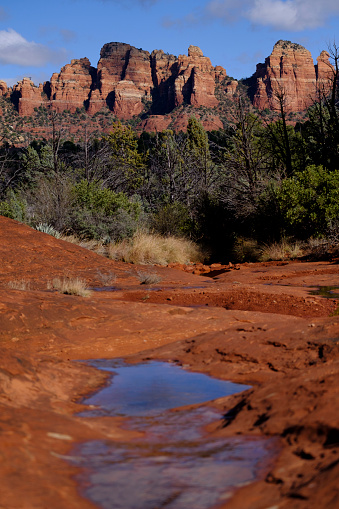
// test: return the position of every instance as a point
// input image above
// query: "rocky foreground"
(258, 325)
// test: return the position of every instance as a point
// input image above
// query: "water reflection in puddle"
(329, 292)
(150, 388)
(175, 464)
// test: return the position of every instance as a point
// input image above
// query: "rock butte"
(276, 337)
(128, 81)
(290, 70)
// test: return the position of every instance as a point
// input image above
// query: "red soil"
(276, 337)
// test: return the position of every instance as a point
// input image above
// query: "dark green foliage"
(309, 201)
(98, 212)
(173, 219)
(13, 206)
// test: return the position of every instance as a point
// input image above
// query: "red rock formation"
(231, 88)
(127, 99)
(290, 71)
(156, 123)
(129, 81)
(325, 73)
(195, 81)
(128, 76)
(124, 79)
(3, 88)
(29, 96)
(220, 73)
(71, 88)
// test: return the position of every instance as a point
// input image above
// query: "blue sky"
(38, 37)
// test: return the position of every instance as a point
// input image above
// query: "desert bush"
(76, 286)
(99, 212)
(246, 250)
(47, 228)
(148, 248)
(148, 278)
(319, 248)
(21, 284)
(172, 219)
(50, 202)
(106, 278)
(13, 206)
(280, 251)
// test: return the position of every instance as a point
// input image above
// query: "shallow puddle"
(176, 464)
(329, 292)
(105, 289)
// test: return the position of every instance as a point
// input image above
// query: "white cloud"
(15, 49)
(226, 10)
(294, 15)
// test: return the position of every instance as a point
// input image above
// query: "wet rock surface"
(262, 326)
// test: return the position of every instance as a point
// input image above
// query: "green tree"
(247, 165)
(127, 164)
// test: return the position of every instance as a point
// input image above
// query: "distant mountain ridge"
(131, 83)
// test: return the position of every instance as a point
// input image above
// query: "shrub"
(280, 251)
(13, 207)
(153, 249)
(99, 212)
(107, 279)
(148, 278)
(47, 228)
(172, 219)
(246, 250)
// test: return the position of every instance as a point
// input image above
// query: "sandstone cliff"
(125, 79)
(130, 81)
(71, 88)
(290, 71)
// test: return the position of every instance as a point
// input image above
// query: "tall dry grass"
(280, 251)
(19, 284)
(146, 248)
(74, 286)
(92, 245)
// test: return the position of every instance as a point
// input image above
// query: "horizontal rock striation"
(289, 72)
(125, 80)
(130, 81)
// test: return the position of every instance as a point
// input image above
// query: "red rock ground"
(259, 325)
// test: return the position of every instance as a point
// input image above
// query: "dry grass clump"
(106, 278)
(280, 251)
(74, 286)
(146, 248)
(92, 245)
(148, 278)
(21, 284)
(317, 249)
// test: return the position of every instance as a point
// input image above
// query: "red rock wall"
(289, 70)
(125, 79)
(71, 87)
(29, 96)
